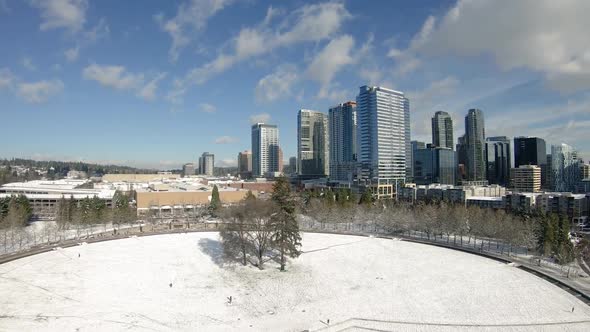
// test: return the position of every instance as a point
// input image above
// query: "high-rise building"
(475, 141)
(188, 169)
(584, 171)
(442, 130)
(313, 151)
(265, 149)
(461, 159)
(245, 164)
(342, 128)
(498, 160)
(434, 165)
(206, 163)
(293, 164)
(526, 178)
(532, 151)
(383, 140)
(280, 169)
(565, 167)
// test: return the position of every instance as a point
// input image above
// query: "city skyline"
(87, 75)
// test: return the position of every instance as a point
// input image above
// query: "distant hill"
(59, 169)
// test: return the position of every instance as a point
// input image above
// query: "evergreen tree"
(286, 237)
(249, 196)
(215, 203)
(366, 197)
(565, 248)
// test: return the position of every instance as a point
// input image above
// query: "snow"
(355, 282)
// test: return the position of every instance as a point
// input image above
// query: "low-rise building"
(572, 205)
(449, 193)
(44, 196)
(485, 202)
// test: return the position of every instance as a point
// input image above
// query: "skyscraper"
(532, 151)
(383, 144)
(461, 159)
(565, 167)
(207, 163)
(265, 149)
(312, 144)
(442, 130)
(342, 125)
(245, 164)
(498, 160)
(475, 142)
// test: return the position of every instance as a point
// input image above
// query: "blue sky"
(155, 83)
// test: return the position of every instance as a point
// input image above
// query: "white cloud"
(113, 76)
(72, 53)
(226, 163)
(117, 77)
(39, 92)
(148, 91)
(277, 85)
(425, 102)
(67, 14)
(329, 61)
(190, 19)
(259, 118)
(28, 63)
(516, 34)
(207, 108)
(226, 140)
(4, 7)
(6, 78)
(310, 23)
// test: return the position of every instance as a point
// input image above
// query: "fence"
(46, 233)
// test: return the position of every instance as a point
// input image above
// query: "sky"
(155, 83)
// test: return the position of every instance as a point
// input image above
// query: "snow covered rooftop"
(484, 198)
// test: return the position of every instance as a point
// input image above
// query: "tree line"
(257, 231)
(15, 211)
(59, 169)
(92, 211)
(546, 234)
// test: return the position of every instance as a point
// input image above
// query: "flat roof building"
(526, 178)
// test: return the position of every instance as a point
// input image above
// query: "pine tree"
(215, 203)
(366, 197)
(565, 248)
(286, 237)
(249, 196)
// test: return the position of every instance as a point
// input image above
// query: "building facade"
(265, 149)
(384, 151)
(532, 151)
(245, 164)
(565, 167)
(434, 165)
(475, 141)
(312, 144)
(442, 130)
(188, 169)
(498, 160)
(526, 178)
(206, 163)
(342, 128)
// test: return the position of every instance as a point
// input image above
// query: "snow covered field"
(384, 284)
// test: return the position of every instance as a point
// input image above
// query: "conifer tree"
(286, 238)
(215, 203)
